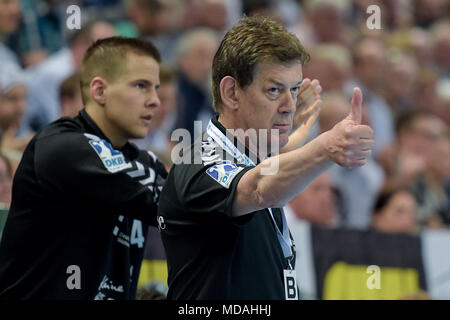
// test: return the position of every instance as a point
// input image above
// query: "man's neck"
(252, 145)
(97, 116)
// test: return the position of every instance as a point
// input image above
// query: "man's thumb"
(356, 106)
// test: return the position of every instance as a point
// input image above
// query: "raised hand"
(350, 143)
(308, 103)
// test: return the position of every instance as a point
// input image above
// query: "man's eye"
(295, 91)
(273, 91)
(140, 85)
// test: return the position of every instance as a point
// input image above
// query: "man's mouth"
(147, 119)
(283, 127)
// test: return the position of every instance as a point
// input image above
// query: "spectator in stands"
(9, 22)
(425, 97)
(70, 96)
(264, 8)
(438, 165)
(325, 22)
(157, 21)
(331, 64)
(441, 47)
(41, 31)
(13, 103)
(317, 204)
(358, 187)
(443, 95)
(426, 12)
(163, 121)
(408, 161)
(369, 65)
(405, 159)
(6, 176)
(395, 211)
(212, 14)
(43, 96)
(195, 54)
(400, 81)
(421, 44)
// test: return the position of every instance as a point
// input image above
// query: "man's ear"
(97, 89)
(229, 92)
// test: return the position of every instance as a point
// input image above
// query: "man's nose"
(289, 102)
(153, 100)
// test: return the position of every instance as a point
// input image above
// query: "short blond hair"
(105, 58)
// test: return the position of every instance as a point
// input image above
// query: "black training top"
(211, 255)
(79, 215)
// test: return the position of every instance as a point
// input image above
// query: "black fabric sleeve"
(203, 195)
(68, 166)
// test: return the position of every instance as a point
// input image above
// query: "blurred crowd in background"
(403, 69)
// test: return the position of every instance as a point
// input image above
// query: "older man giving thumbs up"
(221, 221)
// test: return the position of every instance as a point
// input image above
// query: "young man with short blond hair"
(83, 195)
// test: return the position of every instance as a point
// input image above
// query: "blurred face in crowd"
(167, 94)
(317, 203)
(196, 62)
(421, 44)
(424, 131)
(269, 102)
(130, 100)
(328, 23)
(5, 182)
(100, 30)
(12, 106)
(149, 20)
(332, 76)
(214, 14)
(438, 159)
(442, 50)
(335, 108)
(9, 16)
(70, 106)
(401, 78)
(398, 215)
(369, 65)
(430, 10)
(425, 97)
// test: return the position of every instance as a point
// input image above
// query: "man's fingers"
(311, 107)
(309, 114)
(318, 89)
(304, 86)
(309, 94)
(356, 106)
(315, 83)
(361, 132)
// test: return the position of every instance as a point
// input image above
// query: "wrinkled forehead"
(267, 70)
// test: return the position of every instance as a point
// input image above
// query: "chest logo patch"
(224, 172)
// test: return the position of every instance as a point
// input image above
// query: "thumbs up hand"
(349, 143)
(356, 106)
